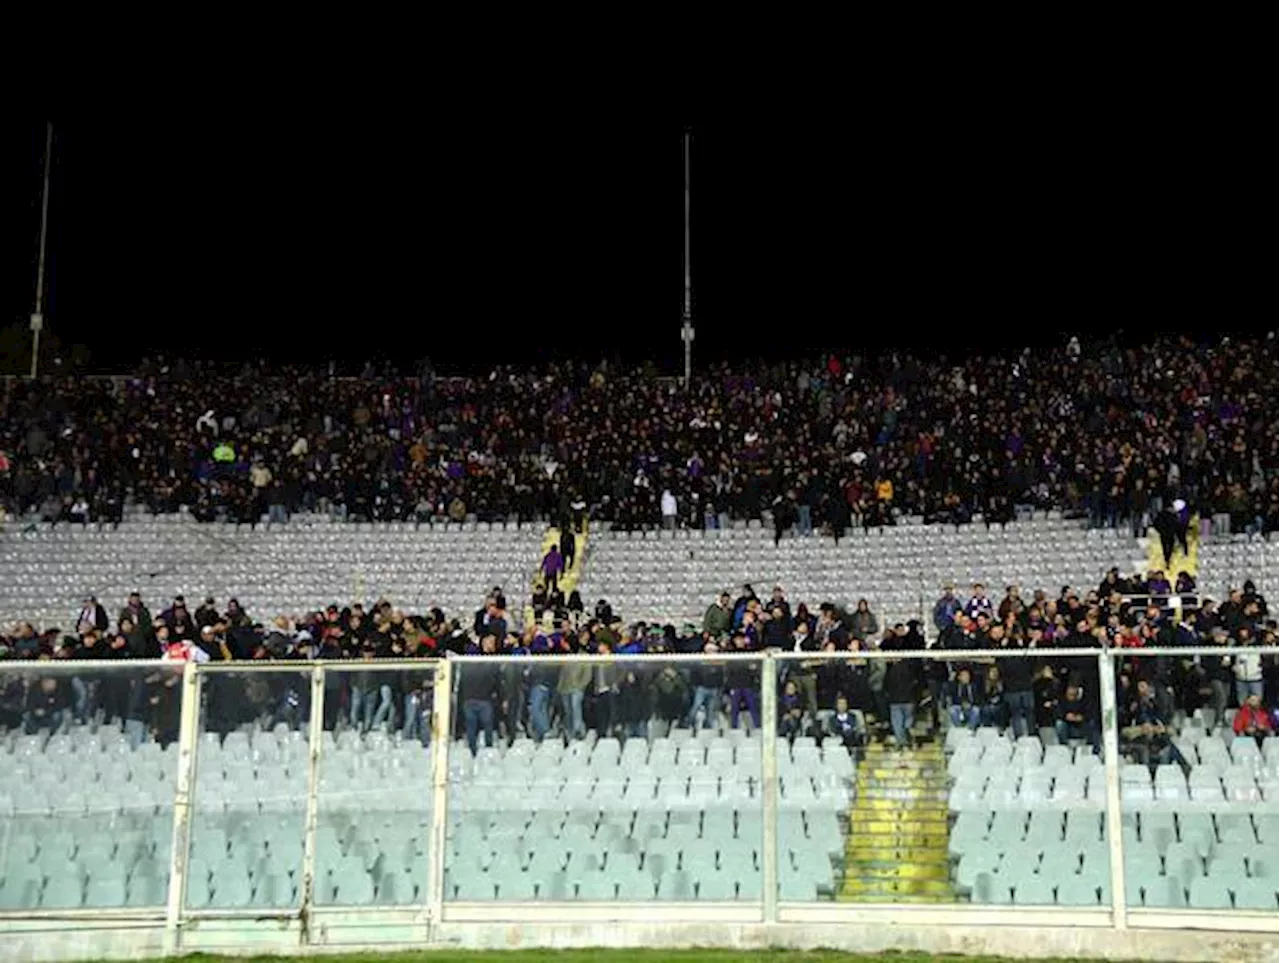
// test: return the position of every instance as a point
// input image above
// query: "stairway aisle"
(570, 577)
(1188, 563)
(896, 850)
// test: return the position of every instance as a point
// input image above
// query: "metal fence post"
(441, 737)
(769, 785)
(188, 731)
(1111, 756)
(315, 743)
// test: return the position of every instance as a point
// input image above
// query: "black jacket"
(900, 682)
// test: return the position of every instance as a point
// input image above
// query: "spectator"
(945, 609)
(632, 705)
(901, 692)
(1075, 720)
(1046, 690)
(477, 690)
(92, 617)
(552, 567)
(777, 631)
(847, 725)
(670, 695)
(605, 679)
(1019, 694)
(1247, 667)
(1252, 720)
(864, 625)
(804, 672)
(993, 698)
(1249, 594)
(48, 705)
(669, 510)
(572, 687)
(978, 603)
(1144, 729)
(568, 546)
(792, 720)
(708, 689)
(743, 680)
(962, 700)
(719, 617)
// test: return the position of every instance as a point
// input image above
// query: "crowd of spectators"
(1100, 430)
(852, 700)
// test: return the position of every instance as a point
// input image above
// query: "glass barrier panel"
(918, 780)
(373, 809)
(605, 780)
(249, 796)
(1197, 787)
(87, 784)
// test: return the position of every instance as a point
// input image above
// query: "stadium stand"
(901, 780)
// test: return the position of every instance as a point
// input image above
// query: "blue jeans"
(135, 730)
(477, 713)
(571, 705)
(277, 514)
(416, 723)
(539, 716)
(708, 698)
(1246, 689)
(84, 699)
(804, 523)
(1072, 730)
(386, 711)
(902, 718)
(1021, 707)
(964, 717)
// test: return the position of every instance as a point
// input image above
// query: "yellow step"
(902, 790)
(900, 871)
(935, 818)
(932, 898)
(881, 751)
(900, 887)
(877, 803)
(906, 772)
(905, 827)
(907, 851)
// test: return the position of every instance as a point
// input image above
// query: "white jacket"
(1248, 667)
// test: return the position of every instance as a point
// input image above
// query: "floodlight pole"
(686, 329)
(37, 319)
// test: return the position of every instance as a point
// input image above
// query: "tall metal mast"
(37, 319)
(686, 329)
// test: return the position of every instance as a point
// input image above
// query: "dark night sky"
(232, 239)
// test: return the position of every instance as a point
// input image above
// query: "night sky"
(228, 239)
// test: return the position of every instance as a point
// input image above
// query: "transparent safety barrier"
(1199, 798)
(249, 795)
(623, 781)
(908, 780)
(374, 789)
(88, 767)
